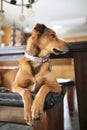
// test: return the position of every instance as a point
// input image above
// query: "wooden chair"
(11, 110)
(69, 84)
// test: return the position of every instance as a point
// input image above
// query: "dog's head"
(44, 42)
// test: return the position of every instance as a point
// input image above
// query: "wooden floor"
(70, 123)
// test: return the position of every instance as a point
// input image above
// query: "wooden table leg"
(70, 99)
(52, 119)
(80, 61)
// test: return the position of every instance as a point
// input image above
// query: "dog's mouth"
(56, 51)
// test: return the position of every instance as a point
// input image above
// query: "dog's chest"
(39, 72)
(35, 67)
(35, 79)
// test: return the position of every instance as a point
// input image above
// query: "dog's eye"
(53, 35)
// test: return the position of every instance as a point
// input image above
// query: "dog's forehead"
(48, 32)
(40, 28)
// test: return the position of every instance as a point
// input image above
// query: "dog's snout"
(67, 47)
(62, 50)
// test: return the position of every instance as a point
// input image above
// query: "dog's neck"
(36, 59)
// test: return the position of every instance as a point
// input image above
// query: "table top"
(13, 53)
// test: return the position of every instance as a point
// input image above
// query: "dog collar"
(36, 59)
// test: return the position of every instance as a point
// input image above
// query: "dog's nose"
(69, 45)
(67, 48)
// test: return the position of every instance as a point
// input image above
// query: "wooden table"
(78, 51)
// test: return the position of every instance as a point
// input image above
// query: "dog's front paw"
(28, 118)
(37, 109)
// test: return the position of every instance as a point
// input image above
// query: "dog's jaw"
(57, 52)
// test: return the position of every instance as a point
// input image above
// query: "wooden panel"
(62, 61)
(64, 71)
(51, 119)
(75, 39)
(6, 39)
(63, 68)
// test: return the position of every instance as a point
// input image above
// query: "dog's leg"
(38, 103)
(27, 100)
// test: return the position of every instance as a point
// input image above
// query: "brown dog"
(34, 73)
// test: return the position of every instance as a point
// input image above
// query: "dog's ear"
(32, 43)
(40, 28)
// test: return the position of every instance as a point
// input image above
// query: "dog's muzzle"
(65, 50)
